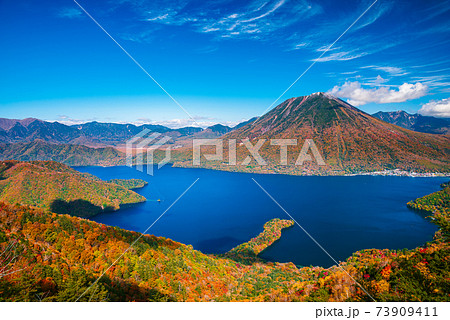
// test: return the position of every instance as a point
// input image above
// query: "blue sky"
(223, 61)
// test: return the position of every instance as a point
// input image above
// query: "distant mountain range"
(114, 134)
(69, 154)
(72, 145)
(349, 140)
(92, 133)
(416, 122)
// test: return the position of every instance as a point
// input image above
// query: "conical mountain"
(348, 139)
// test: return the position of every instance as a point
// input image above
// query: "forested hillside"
(129, 184)
(69, 154)
(348, 139)
(54, 257)
(438, 204)
(59, 188)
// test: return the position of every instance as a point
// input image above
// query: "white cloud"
(206, 122)
(327, 48)
(170, 123)
(393, 71)
(341, 56)
(436, 108)
(70, 13)
(142, 37)
(161, 17)
(271, 10)
(254, 19)
(249, 20)
(378, 81)
(300, 45)
(358, 96)
(349, 72)
(209, 29)
(439, 81)
(71, 121)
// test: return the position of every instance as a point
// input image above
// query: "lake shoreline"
(387, 172)
(304, 198)
(390, 172)
(250, 250)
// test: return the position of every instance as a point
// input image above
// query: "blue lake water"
(223, 209)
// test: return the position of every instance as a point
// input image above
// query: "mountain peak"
(349, 139)
(307, 114)
(322, 94)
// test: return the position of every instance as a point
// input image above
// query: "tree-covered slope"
(251, 249)
(58, 257)
(129, 184)
(438, 204)
(348, 139)
(69, 154)
(59, 188)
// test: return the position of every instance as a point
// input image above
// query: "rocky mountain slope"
(94, 133)
(348, 139)
(90, 134)
(69, 154)
(416, 122)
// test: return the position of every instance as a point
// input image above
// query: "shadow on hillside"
(122, 291)
(78, 208)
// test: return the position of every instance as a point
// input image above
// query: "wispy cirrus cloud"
(280, 20)
(434, 10)
(392, 71)
(324, 31)
(252, 19)
(69, 13)
(379, 31)
(306, 26)
(353, 47)
(441, 81)
(300, 45)
(357, 95)
(341, 56)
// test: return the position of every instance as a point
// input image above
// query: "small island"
(129, 184)
(252, 248)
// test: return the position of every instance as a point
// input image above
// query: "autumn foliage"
(55, 186)
(58, 257)
(252, 248)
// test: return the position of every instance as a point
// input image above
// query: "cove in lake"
(224, 209)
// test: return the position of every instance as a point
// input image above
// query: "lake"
(224, 209)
